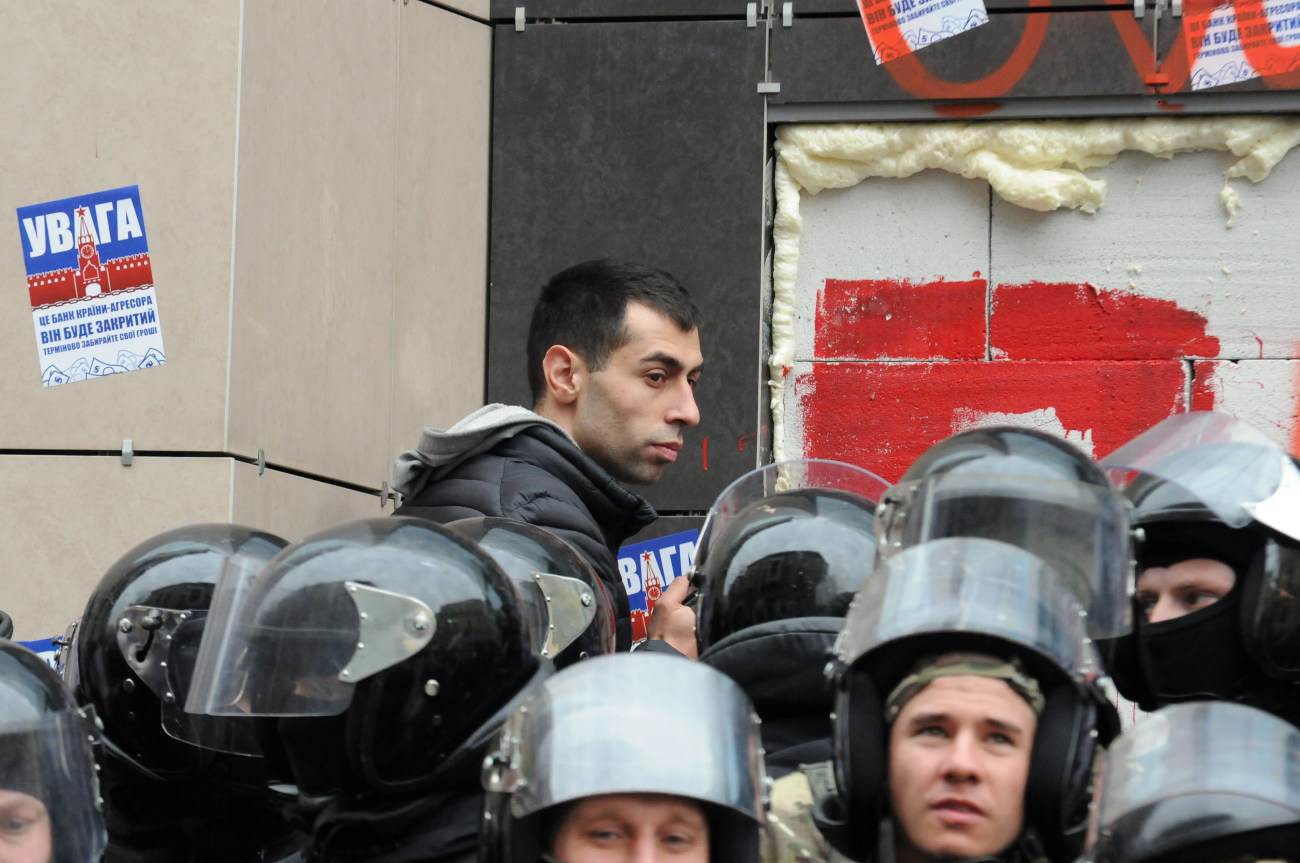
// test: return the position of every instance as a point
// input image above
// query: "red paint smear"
(901, 319)
(706, 453)
(1203, 388)
(966, 109)
(1053, 321)
(882, 416)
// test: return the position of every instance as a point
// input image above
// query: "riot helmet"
(1203, 782)
(598, 729)
(1206, 486)
(132, 654)
(791, 540)
(964, 595)
(1029, 489)
(48, 790)
(373, 653)
(568, 609)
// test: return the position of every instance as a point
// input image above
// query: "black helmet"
(569, 611)
(375, 650)
(1029, 489)
(47, 768)
(1200, 783)
(788, 541)
(1199, 484)
(968, 595)
(596, 729)
(133, 652)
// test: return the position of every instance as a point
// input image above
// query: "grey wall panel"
(643, 141)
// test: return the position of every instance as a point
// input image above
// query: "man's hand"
(673, 622)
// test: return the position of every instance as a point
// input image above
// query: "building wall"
(930, 304)
(314, 184)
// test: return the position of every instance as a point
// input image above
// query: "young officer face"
(633, 828)
(958, 763)
(24, 829)
(629, 416)
(1167, 592)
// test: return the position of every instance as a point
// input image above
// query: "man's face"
(25, 835)
(958, 762)
(629, 416)
(633, 828)
(1167, 592)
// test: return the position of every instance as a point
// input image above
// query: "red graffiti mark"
(966, 109)
(706, 453)
(901, 319)
(1054, 321)
(912, 75)
(744, 439)
(882, 416)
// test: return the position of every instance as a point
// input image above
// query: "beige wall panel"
(312, 308)
(99, 96)
(69, 518)
(440, 306)
(292, 507)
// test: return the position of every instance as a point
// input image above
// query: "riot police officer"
(784, 550)
(377, 659)
(1200, 783)
(175, 787)
(652, 757)
(49, 810)
(966, 717)
(1218, 567)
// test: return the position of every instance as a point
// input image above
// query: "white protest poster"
(899, 27)
(1238, 41)
(90, 282)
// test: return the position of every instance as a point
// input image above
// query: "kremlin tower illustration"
(91, 277)
(653, 585)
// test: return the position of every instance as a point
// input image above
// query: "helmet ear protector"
(1059, 785)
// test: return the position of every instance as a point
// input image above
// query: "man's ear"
(565, 373)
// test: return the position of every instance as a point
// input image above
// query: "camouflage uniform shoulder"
(790, 835)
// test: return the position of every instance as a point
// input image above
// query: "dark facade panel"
(643, 141)
(1061, 54)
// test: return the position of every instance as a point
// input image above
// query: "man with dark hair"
(613, 357)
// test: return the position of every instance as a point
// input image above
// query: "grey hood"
(441, 450)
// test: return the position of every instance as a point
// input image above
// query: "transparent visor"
(1229, 467)
(1081, 529)
(600, 728)
(970, 585)
(782, 477)
(48, 791)
(1180, 768)
(286, 648)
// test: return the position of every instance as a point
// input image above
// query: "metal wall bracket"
(128, 453)
(1139, 8)
(787, 14)
(383, 495)
(261, 462)
(769, 87)
(751, 15)
(519, 19)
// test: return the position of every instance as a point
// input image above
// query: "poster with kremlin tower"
(91, 286)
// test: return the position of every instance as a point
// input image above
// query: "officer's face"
(629, 416)
(958, 762)
(24, 829)
(633, 828)
(1167, 592)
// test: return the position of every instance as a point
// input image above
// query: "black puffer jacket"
(539, 475)
(781, 666)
